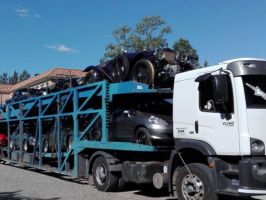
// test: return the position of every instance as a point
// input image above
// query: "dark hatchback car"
(145, 123)
(155, 68)
(22, 94)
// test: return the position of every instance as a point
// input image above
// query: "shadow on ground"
(17, 196)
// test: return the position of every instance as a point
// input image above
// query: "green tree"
(24, 75)
(183, 45)
(151, 31)
(206, 64)
(148, 34)
(4, 78)
(13, 79)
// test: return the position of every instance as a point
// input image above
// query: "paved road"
(21, 184)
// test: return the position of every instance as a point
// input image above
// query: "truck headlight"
(257, 147)
(157, 120)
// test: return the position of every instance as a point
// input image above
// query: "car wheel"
(45, 146)
(143, 136)
(196, 184)
(11, 145)
(90, 77)
(120, 68)
(143, 71)
(25, 146)
(103, 179)
(70, 142)
(95, 134)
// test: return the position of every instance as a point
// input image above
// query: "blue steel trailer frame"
(71, 103)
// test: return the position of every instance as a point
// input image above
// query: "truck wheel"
(103, 179)
(197, 185)
(143, 71)
(143, 136)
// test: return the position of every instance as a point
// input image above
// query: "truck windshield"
(255, 91)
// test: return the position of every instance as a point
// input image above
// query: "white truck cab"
(219, 129)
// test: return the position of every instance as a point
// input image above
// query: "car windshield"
(255, 91)
(163, 107)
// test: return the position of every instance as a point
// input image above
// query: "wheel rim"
(70, 142)
(100, 174)
(141, 74)
(25, 146)
(141, 138)
(45, 146)
(95, 135)
(192, 187)
(118, 72)
(11, 145)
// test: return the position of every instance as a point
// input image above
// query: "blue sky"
(39, 35)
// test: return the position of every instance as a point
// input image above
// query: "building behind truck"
(40, 81)
(218, 129)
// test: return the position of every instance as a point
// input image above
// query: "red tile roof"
(42, 78)
(5, 89)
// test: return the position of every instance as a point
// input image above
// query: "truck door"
(217, 122)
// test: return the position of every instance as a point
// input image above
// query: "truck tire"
(200, 187)
(143, 136)
(103, 179)
(143, 72)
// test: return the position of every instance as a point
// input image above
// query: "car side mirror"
(221, 89)
(127, 113)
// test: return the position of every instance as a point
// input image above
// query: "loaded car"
(63, 84)
(3, 139)
(155, 68)
(28, 141)
(146, 122)
(49, 140)
(22, 94)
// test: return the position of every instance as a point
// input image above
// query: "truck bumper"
(252, 176)
(247, 177)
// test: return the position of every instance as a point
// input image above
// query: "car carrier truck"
(218, 133)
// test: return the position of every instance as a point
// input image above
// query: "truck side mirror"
(221, 88)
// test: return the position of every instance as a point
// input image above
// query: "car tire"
(104, 180)
(70, 142)
(12, 145)
(200, 187)
(120, 68)
(143, 136)
(25, 146)
(95, 134)
(143, 72)
(45, 146)
(91, 77)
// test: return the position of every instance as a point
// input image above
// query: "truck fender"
(111, 160)
(181, 144)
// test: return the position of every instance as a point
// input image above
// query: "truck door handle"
(196, 126)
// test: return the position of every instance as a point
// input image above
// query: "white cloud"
(22, 12)
(37, 15)
(61, 48)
